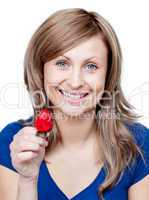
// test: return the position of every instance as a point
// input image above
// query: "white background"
(18, 21)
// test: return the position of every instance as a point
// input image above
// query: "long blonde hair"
(62, 31)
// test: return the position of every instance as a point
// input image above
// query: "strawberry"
(43, 122)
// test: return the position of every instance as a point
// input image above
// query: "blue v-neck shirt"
(49, 190)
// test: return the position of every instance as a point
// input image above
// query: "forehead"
(93, 47)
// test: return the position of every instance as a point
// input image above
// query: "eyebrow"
(85, 59)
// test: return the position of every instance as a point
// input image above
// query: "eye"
(61, 64)
(91, 67)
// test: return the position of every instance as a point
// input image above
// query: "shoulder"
(140, 133)
(11, 129)
(139, 181)
(140, 169)
(136, 127)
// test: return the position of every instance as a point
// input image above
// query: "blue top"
(47, 187)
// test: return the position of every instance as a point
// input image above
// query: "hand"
(27, 152)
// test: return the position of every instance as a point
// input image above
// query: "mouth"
(72, 97)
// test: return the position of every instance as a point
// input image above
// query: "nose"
(75, 79)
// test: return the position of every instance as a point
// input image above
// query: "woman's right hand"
(27, 152)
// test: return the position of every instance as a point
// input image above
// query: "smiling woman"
(97, 149)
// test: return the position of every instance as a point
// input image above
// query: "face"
(74, 82)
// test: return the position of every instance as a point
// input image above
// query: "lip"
(74, 93)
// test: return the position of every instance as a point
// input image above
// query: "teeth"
(72, 95)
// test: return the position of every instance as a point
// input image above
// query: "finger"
(35, 139)
(36, 144)
(26, 146)
(29, 130)
(25, 156)
(29, 133)
(26, 130)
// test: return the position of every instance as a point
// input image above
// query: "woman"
(97, 150)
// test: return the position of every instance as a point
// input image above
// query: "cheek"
(97, 82)
(51, 77)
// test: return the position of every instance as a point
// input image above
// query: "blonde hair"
(62, 31)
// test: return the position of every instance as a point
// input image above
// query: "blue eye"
(91, 66)
(61, 64)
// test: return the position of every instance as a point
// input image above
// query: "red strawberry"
(43, 121)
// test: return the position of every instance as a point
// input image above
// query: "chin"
(75, 111)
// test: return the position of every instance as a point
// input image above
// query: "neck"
(76, 132)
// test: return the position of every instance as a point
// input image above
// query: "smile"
(73, 98)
